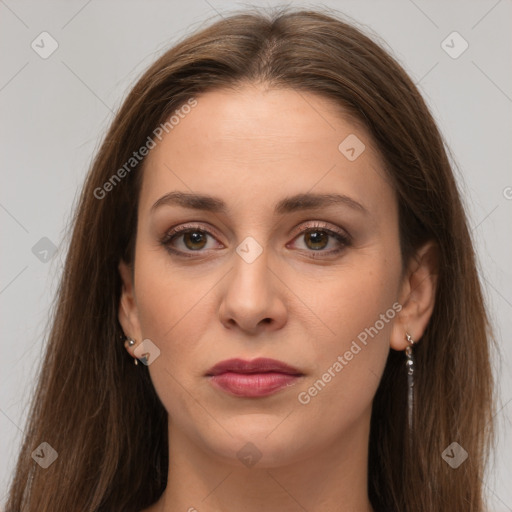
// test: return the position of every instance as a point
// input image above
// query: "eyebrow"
(290, 204)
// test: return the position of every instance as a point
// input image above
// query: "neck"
(331, 478)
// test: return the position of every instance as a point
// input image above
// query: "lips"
(260, 365)
(252, 379)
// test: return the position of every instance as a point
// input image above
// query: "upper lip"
(260, 365)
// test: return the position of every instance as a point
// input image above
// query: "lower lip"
(253, 384)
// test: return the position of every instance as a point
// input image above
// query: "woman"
(272, 228)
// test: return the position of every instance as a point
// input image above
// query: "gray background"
(54, 113)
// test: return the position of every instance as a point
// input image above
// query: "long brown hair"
(101, 413)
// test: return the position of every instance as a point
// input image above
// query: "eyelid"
(175, 231)
(320, 225)
(206, 228)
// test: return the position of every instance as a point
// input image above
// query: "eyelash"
(342, 238)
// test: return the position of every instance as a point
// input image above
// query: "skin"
(252, 147)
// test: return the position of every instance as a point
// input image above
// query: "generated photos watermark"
(304, 397)
(138, 156)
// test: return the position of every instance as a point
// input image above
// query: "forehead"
(255, 143)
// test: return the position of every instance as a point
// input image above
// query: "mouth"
(252, 379)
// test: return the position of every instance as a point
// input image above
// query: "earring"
(409, 364)
(131, 342)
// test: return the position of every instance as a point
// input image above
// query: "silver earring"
(131, 342)
(409, 364)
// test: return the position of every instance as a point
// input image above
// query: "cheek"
(166, 295)
(359, 307)
(172, 315)
(169, 304)
(356, 296)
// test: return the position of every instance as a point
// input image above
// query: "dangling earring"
(131, 342)
(409, 364)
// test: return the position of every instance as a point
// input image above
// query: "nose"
(253, 298)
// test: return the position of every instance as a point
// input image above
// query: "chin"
(255, 445)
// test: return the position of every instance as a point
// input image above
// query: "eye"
(317, 238)
(185, 239)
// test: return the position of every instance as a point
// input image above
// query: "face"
(293, 255)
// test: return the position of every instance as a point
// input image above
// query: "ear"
(128, 311)
(417, 296)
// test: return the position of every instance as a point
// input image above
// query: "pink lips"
(256, 378)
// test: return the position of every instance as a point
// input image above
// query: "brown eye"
(194, 240)
(321, 242)
(186, 240)
(316, 239)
